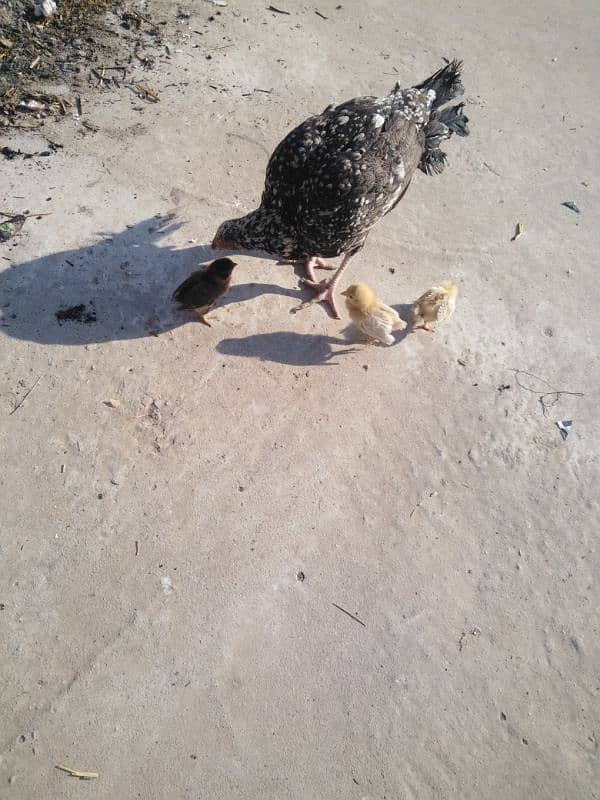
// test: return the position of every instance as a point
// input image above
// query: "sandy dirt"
(153, 626)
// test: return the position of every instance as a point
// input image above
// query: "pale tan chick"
(436, 305)
(370, 315)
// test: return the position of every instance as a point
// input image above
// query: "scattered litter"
(25, 396)
(586, 184)
(461, 362)
(476, 632)
(318, 13)
(44, 8)
(278, 10)
(503, 716)
(62, 469)
(11, 226)
(356, 619)
(518, 232)
(6, 42)
(545, 399)
(77, 773)
(300, 576)
(564, 426)
(112, 403)
(167, 584)
(78, 313)
(572, 206)
(220, 3)
(503, 387)
(137, 547)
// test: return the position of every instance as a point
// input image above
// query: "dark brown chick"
(203, 288)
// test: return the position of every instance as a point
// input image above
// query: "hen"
(337, 174)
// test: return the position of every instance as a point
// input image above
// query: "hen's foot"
(323, 293)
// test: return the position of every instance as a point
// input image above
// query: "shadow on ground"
(124, 281)
(286, 347)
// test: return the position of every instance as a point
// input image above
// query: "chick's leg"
(200, 312)
(325, 290)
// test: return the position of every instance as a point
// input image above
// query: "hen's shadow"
(124, 281)
(286, 347)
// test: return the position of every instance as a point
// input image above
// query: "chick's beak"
(345, 293)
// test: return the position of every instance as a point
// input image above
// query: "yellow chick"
(436, 305)
(371, 315)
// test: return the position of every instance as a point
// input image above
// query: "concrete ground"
(162, 493)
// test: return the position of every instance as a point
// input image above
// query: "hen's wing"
(338, 173)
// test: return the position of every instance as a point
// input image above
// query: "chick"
(436, 305)
(203, 288)
(371, 315)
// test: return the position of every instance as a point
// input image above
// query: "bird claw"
(324, 293)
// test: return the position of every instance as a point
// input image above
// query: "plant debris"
(356, 619)
(9, 227)
(26, 395)
(278, 10)
(546, 399)
(572, 206)
(78, 34)
(78, 313)
(518, 232)
(77, 773)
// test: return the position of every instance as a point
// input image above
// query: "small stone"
(476, 632)
(524, 740)
(503, 716)
(300, 576)
(112, 403)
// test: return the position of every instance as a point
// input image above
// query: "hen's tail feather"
(446, 84)
(441, 125)
(433, 161)
(454, 119)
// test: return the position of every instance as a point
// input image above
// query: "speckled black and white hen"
(337, 174)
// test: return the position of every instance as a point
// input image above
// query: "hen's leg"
(325, 290)
(312, 263)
